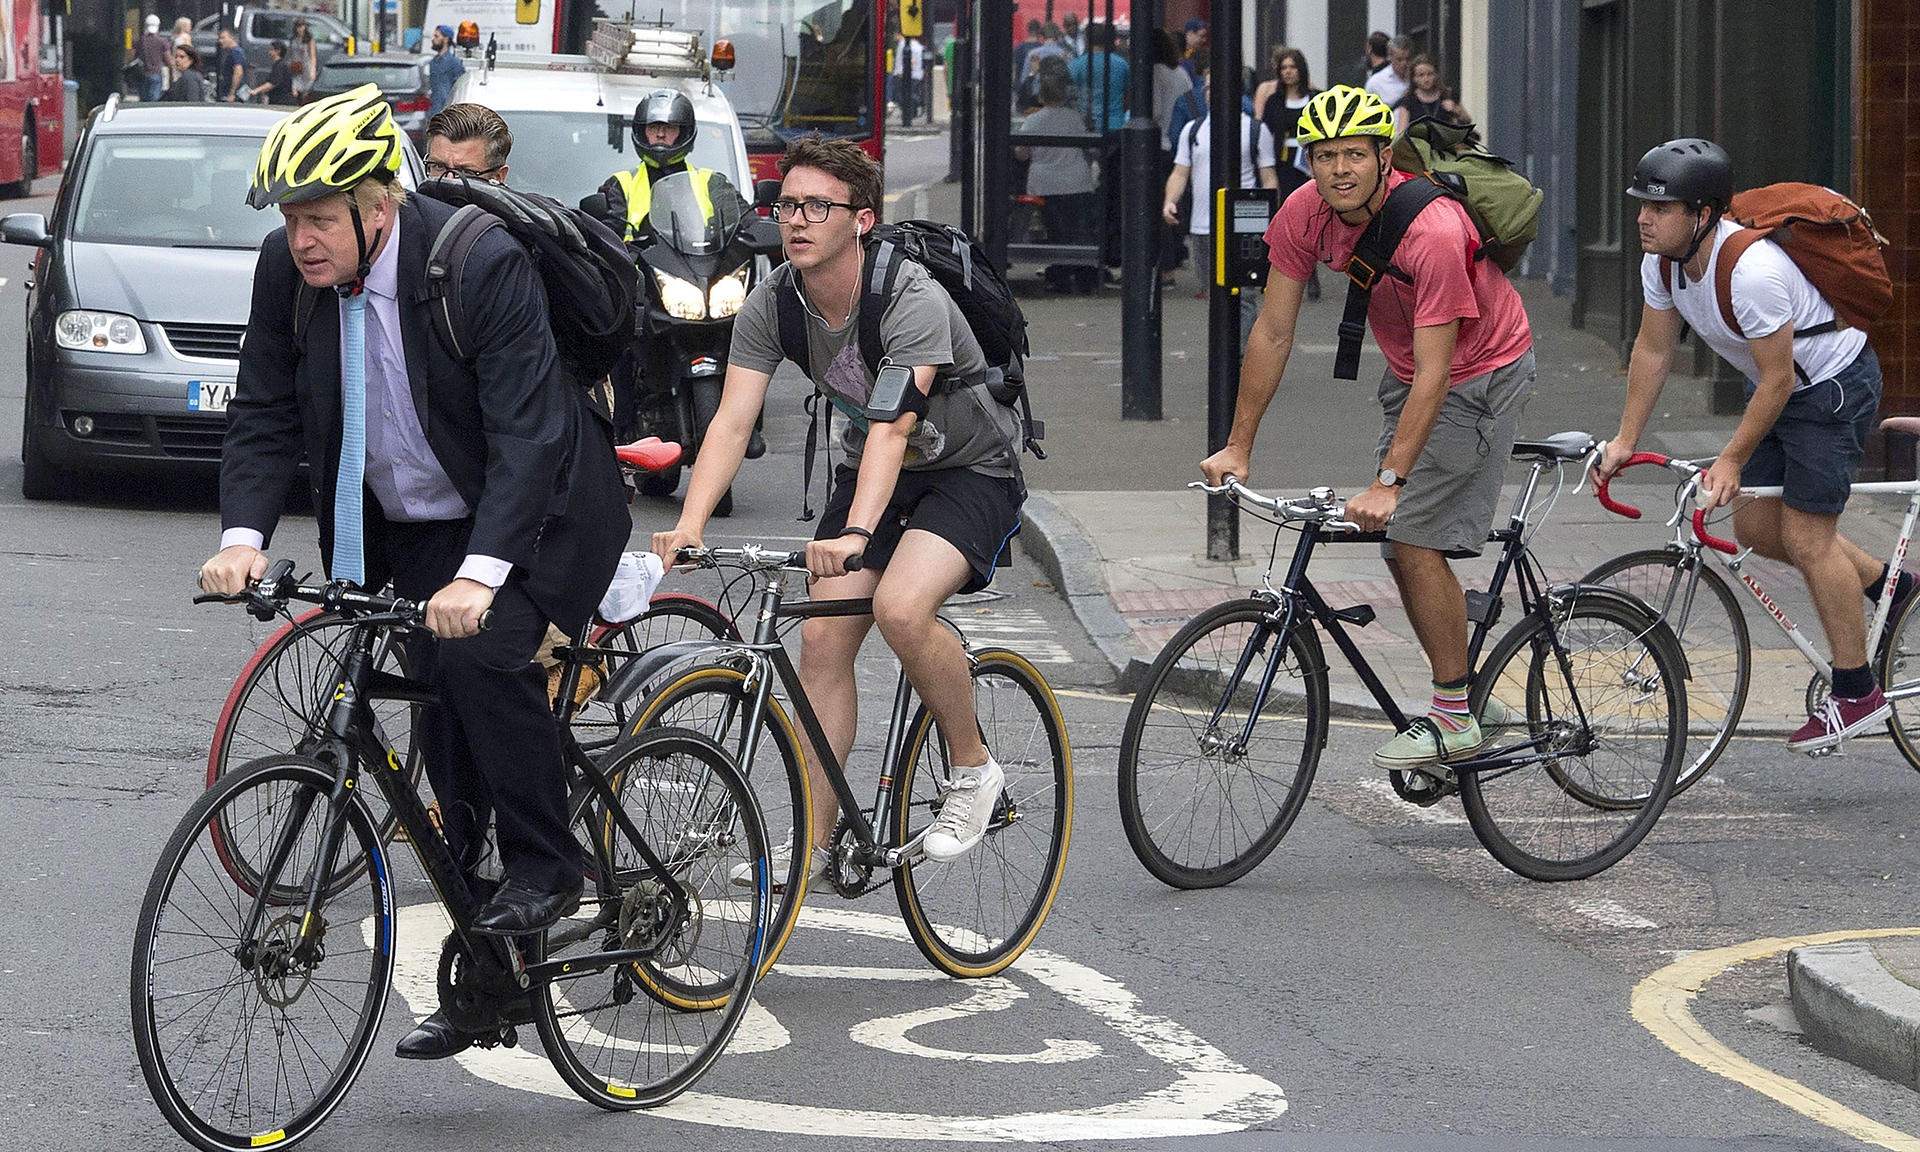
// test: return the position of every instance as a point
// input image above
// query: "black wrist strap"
(850, 530)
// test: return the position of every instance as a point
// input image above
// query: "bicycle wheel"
(279, 701)
(974, 916)
(711, 700)
(1614, 713)
(1199, 809)
(637, 1034)
(671, 616)
(1900, 675)
(1705, 617)
(240, 1053)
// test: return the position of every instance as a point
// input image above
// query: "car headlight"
(681, 299)
(99, 332)
(727, 295)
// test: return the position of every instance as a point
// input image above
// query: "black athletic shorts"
(977, 514)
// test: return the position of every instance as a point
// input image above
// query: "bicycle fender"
(634, 674)
(1627, 600)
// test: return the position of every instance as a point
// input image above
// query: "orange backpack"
(1828, 237)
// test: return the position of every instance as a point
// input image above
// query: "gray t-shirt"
(964, 426)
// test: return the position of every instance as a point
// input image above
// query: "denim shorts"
(1814, 447)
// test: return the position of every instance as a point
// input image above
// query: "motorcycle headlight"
(99, 332)
(681, 299)
(727, 295)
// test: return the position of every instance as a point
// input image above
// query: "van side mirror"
(765, 192)
(25, 228)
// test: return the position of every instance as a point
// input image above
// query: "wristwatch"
(1391, 479)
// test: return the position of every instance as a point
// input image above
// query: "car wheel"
(42, 478)
(29, 162)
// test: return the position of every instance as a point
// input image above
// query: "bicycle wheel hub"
(280, 968)
(647, 921)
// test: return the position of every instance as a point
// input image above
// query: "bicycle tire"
(1196, 816)
(1899, 669)
(709, 700)
(278, 704)
(621, 1050)
(1538, 819)
(598, 724)
(1713, 634)
(946, 905)
(185, 974)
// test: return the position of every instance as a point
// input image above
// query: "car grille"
(207, 341)
(190, 438)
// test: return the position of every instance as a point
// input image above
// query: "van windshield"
(568, 155)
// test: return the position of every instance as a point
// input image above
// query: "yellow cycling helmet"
(1343, 110)
(329, 146)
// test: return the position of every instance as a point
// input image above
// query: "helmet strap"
(359, 282)
(1379, 184)
(1700, 236)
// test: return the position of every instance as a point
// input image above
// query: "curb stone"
(1850, 1006)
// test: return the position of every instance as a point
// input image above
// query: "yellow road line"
(1661, 1004)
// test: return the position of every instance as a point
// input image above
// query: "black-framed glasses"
(816, 211)
(436, 168)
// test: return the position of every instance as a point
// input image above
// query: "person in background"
(1027, 92)
(1277, 104)
(1034, 39)
(1071, 37)
(278, 86)
(909, 75)
(1192, 163)
(1194, 60)
(183, 33)
(470, 141)
(1425, 97)
(1064, 178)
(302, 59)
(1172, 90)
(230, 68)
(189, 87)
(153, 51)
(1391, 83)
(443, 71)
(1373, 57)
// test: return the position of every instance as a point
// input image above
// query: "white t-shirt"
(1387, 85)
(1196, 145)
(1769, 290)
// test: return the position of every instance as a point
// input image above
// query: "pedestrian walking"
(154, 53)
(909, 78)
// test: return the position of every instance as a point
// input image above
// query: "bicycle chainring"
(848, 878)
(1818, 691)
(479, 996)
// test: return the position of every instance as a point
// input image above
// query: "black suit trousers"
(493, 747)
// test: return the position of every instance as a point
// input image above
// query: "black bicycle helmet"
(664, 106)
(1696, 172)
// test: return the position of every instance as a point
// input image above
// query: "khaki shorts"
(1449, 502)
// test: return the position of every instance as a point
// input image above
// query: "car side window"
(272, 26)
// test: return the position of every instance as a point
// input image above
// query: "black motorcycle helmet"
(1695, 172)
(664, 106)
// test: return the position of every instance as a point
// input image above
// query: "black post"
(1140, 316)
(995, 120)
(1223, 308)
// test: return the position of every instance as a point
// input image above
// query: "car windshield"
(343, 74)
(171, 192)
(568, 155)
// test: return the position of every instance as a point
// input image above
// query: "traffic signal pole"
(1140, 313)
(1223, 305)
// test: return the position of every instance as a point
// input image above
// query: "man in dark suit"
(480, 483)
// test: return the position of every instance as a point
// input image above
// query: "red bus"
(32, 100)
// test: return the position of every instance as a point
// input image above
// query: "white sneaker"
(779, 861)
(968, 806)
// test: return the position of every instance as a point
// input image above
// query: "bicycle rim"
(1199, 810)
(1900, 673)
(1616, 711)
(637, 1034)
(241, 1056)
(1706, 618)
(671, 616)
(713, 701)
(973, 916)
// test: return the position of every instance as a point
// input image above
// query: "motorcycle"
(698, 258)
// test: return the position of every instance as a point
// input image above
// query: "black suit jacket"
(512, 431)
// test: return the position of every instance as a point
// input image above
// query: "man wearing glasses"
(469, 140)
(930, 490)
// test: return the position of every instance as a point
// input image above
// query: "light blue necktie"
(349, 563)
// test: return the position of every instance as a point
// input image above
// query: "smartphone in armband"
(894, 395)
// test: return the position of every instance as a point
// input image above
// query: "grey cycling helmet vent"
(664, 106)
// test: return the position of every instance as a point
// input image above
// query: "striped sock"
(1449, 708)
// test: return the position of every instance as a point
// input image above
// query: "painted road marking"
(1611, 913)
(1208, 1093)
(1660, 1004)
(1024, 630)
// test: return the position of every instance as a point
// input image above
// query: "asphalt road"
(1378, 984)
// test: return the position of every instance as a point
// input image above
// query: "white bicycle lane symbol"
(1208, 1093)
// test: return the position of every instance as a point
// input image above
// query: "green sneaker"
(1494, 716)
(1424, 743)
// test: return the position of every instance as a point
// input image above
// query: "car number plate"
(209, 395)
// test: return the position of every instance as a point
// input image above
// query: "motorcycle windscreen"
(695, 222)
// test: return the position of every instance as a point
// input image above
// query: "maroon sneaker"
(1839, 718)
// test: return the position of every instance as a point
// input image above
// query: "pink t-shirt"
(1448, 283)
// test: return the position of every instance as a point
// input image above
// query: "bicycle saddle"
(1561, 446)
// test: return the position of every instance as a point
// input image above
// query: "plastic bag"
(634, 580)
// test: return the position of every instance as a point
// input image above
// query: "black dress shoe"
(519, 908)
(432, 1039)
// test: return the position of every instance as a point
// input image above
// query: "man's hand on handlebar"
(1613, 457)
(1229, 461)
(1373, 507)
(667, 545)
(230, 572)
(456, 610)
(1719, 484)
(828, 558)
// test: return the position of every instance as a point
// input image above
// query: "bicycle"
(1714, 630)
(969, 917)
(1584, 692)
(265, 944)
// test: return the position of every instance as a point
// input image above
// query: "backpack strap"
(446, 269)
(881, 276)
(790, 314)
(1373, 258)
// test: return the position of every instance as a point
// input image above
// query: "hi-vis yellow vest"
(637, 186)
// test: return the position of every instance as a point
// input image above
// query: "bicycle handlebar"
(1319, 507)
(1685, 468)
(266, 599)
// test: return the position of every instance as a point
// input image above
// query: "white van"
(571, 116)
